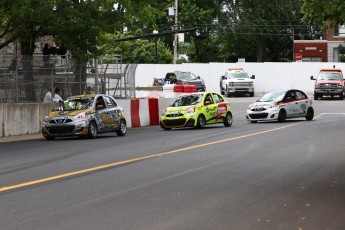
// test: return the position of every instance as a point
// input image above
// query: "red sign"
(298, 57)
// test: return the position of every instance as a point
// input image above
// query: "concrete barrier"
(22, 119)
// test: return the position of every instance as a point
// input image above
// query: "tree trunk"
(79, 77)
(28, 80)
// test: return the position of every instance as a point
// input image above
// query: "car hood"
(329, 81)
(240, 80)
(261, 104)
(66, 113)
(179, 109)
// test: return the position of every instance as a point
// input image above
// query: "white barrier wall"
(268, 76)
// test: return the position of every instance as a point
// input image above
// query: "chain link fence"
(28, 79)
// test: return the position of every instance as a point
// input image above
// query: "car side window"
(208, 99)
(300, 95)
(100, 103)
(216, 98)
(290, 96)
(110, 102)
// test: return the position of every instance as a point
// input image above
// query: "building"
(323, 50)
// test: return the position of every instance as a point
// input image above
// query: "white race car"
(280, 105)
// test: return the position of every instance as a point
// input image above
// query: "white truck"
(236, 81)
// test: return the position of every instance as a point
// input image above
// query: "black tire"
(228, 120)
(201, 122)
(316, 96)
(310, 114)
(163, 127)
(92, 130)
(50, 138)
(341, 96)
(253, 121)
(282, 115)
(251, 94)
(122, 128)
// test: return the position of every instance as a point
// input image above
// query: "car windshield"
(186, 76)
(187, 100)
(75, 104)
(273, 97)
(238, 75)
(330, 76)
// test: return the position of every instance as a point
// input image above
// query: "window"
(217, 98)
(300, 95)
(110, 102)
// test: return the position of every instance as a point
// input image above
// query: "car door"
(101, 113)
(113, 112)
(291, 103)
(303, 103)
(210, 109)
(221, 107)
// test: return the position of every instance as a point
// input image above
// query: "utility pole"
(176, 35)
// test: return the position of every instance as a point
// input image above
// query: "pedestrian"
(57, 95)
(48, 96)
(46, 53)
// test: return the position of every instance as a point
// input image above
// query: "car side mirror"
(223, 78)
(312, 78)
(252, 77)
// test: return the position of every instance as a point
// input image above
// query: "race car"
(280, 105)
(197, 110)
(85, 115)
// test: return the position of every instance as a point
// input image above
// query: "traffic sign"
(298, 57)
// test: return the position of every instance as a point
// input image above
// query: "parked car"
(280, 105)
(329, 82)
(236, 81)
(197, 110)
(85, 115)
(185, 78)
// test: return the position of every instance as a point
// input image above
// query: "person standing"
(48, 96)
(57, 95)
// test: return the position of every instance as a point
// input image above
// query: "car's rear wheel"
(201, 122)
(228, 119)
(122, 128)
(310, 114)
(282, 115)
(92, 131)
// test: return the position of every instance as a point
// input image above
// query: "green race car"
(197, 110)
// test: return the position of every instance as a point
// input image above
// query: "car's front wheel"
(122, 128)
(228, 120)
(201, 122)
(316, 96)
(92, 131)
(310, 114)
(163, 127)
(282, 115)
(50, 138)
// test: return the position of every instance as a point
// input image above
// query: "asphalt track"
(268, 175)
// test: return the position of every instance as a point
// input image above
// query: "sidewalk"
(21, 138)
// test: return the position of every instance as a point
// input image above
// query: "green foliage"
(327, 13)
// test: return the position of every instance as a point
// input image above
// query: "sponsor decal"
(221, 110)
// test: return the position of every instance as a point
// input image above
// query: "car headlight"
(273, 105)
(80, 116)
(231, 84)
(190, 110)
(46, 119)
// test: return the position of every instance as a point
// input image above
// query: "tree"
(326, 13)
(263, 29)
